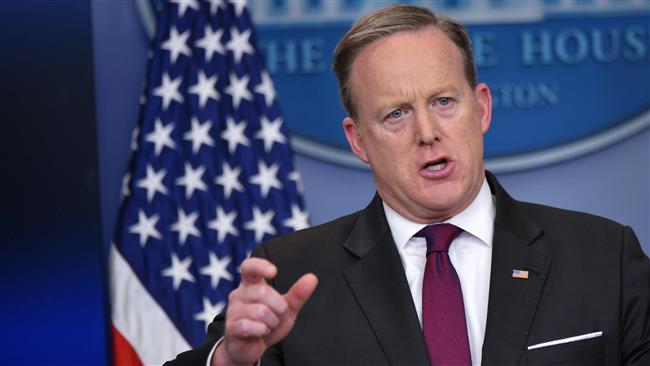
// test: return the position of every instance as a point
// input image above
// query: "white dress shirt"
(470, 253)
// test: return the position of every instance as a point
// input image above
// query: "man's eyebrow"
(390, 103)
(447, 88)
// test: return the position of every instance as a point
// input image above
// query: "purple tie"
(443, 314)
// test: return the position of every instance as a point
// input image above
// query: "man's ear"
(484, 100)
(355, 139)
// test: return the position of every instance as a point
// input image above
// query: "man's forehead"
(404, 45)
(405, 54)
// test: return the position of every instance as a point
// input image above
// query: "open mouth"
(436, 165)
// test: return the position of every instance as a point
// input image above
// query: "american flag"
(519, 273)
(211, 176)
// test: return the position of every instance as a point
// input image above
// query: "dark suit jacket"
(586, 274)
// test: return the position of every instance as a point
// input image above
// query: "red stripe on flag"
(123, 353)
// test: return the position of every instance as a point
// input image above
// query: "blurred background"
(570, 79)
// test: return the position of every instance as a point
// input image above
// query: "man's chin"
(431, 212)
(442, 205)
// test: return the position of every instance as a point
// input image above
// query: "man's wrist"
(219, 356)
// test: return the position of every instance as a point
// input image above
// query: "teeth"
(438, 166)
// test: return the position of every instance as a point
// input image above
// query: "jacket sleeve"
(199, 355)
(635, 301)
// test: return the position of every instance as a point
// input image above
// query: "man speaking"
(442, 267)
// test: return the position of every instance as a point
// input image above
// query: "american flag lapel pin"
(519, 273)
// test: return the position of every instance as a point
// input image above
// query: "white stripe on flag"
(139, 318)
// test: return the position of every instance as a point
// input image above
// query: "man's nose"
(426, 128)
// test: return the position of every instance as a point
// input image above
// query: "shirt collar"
(477, 219)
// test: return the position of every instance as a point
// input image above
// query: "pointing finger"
(256, 270)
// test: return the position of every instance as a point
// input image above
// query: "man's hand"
(257, 315)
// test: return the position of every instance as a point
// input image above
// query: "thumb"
(300, 292)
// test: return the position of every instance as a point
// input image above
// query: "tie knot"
(439, 237)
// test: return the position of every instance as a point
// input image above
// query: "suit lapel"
(380, 287)
(512, 301)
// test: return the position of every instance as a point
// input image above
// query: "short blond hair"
(385, 22)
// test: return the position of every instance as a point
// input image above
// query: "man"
(531, 284)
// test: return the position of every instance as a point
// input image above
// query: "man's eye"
(444, 101)
(396, 113)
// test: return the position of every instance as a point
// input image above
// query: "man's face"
(419, 124)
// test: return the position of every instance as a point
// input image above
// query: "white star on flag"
(168, 90)
(185, 226)
(192, 180)
(265, 87)
(239, 43)
(145, 228)
(199, 135)
(261, 223)
(299, 219)
(224, 224)
(183, 5)
(126, 180)
(270, 132)
(216, 5)
(266, 178)
(238, 89)
(229, 179)
(153, 182)
(239, 6)
(209, 311)
(211, 43)
(294, 176)
(179, 271)
(134, 138)
(217, 269)
(235, 134)
(161, 136)
(177, 44)
(204, 88)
